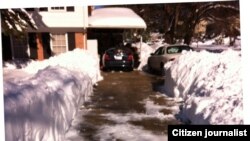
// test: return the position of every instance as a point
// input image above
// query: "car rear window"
(172, 50)
(119, 50)
(177, 49)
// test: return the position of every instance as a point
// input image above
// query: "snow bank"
(77, 59)
(145, 51)
(42, 107)
(42, 99)
(210, 85)
(212, 43)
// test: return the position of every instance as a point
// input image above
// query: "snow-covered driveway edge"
(210, 85)
(77, 59)
(42, 98)
(42, 107)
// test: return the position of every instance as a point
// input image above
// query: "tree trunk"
(189, 34)
(232, 41)
(187, 39)
(172, 23)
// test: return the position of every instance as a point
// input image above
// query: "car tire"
(105, 69)
(129, 69)
(149, 67)
(162, 71)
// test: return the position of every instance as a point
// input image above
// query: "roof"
(114, 17)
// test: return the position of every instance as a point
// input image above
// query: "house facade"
(59, 29)
(62, 29)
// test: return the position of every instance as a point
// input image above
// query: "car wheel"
(129, 69)
(149, 67)
(162, 72)
(106, 69)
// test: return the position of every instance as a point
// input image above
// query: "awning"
(115, 18)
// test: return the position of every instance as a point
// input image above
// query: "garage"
(106, 26)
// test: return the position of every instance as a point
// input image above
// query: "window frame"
(159, 51)
(52, 45)
(53, 9)
(43, 9)
(17, 54)
(70, 9)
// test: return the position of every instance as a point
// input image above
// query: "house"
(61, 29)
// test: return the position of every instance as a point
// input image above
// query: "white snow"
(144, 52)
(212, 43)
(152, 111)
(210, 85)
(42, 99)
(123, 129)
(115, 17)
(77, 59)
(128, 132)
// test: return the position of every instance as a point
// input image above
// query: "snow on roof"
(115, 18)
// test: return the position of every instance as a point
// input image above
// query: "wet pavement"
(128, 106)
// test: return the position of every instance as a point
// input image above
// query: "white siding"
(59, 19)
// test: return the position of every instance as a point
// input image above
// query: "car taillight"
(106, 57)
(130, 57)
(172, 59)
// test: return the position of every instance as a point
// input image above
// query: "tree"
(171, 22)
(152, 14)
(179, 21)
(185, 17)
(15, 21)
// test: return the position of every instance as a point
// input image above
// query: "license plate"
(118, 57)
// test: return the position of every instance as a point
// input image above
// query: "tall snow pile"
(40, 106)
(77, 59)
(210, 85)
(145, 51)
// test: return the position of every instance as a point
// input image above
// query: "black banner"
(208, 132)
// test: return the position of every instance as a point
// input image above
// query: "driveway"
(128, 106)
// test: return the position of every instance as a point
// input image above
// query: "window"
(172, 50)
(30, 9)
(43, 9)
(159, 51)
(70, 9)
(58, 8)
(178, 49)
(20, 47)
(59, 44)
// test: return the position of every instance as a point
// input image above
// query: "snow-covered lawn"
(42, 99)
